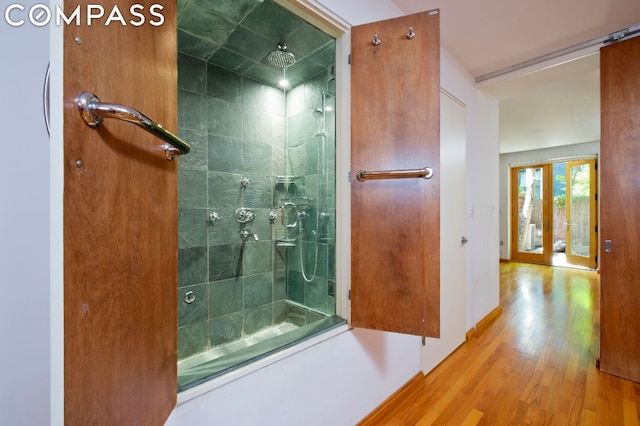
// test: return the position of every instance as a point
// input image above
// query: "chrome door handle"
(93, 112)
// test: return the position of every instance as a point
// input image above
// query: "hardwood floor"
(535, 365)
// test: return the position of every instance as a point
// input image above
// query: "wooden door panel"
(395, 223)
(619, 206)
(120, 225)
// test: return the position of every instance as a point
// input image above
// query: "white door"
(452, 230)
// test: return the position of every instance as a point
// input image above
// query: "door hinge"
(424, 341)
(596, 260)
(596, 229)
(349, 59)
(596, 196)
(349, 294)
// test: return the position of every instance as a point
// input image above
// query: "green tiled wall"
(236, 127)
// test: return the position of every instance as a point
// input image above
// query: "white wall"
(24, 215)
(483, 275)
(533, 156)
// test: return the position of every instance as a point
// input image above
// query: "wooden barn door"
(619, 206)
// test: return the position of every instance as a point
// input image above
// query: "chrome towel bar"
(93, 112)
(425, 173)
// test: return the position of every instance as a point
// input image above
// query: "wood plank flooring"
(535, 365)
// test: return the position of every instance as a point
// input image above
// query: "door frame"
(595, 208)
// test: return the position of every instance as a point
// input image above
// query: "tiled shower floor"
(217, 361)
(235, 346)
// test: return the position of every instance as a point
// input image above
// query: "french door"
(554, 213)
(531, 193)
(581, 221)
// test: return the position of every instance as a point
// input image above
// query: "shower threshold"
(223, 359)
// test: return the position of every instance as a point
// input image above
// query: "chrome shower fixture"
(281, 58)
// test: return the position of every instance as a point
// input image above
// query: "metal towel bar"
(93, 112)
(425, 173)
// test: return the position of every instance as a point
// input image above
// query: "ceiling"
(238, 35)
(553, 107)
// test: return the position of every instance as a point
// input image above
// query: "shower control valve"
(246, 234)
(245, 215)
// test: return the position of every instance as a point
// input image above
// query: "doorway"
(554, 213)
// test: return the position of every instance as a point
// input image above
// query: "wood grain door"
(395, 98)
(619, 206)
(120, 223)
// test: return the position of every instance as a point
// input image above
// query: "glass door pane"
(581, 235)
(530, 210)
(530, 214)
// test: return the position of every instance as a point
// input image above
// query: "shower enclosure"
(257, 192)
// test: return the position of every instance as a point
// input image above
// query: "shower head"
(281, 58)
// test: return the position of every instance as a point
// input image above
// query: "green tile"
(262, 127)
(192, 111)
(225, 261)
(192, 74)
(225, 329)
(279, 312)
(248, 43)
(307, 39)
(225, 192)
(259, 193)
(225, 154)
(195, 46)
(261, 224)
(225, 297)
(316, 293)
(206, 25)
(197, 310)
(258, 290)
(272, 21)
(257, 158)
(192, 339)
(295, 287)
(197, 157)
(192, 189)
(257, 319)
(257, 257)
(192, 265)
(296, 315)
(223, 84)
(231, 60)
(223, 118)
(234, 10)
(265, 98)
(192, 228)
(311, 317)
(225, 230)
